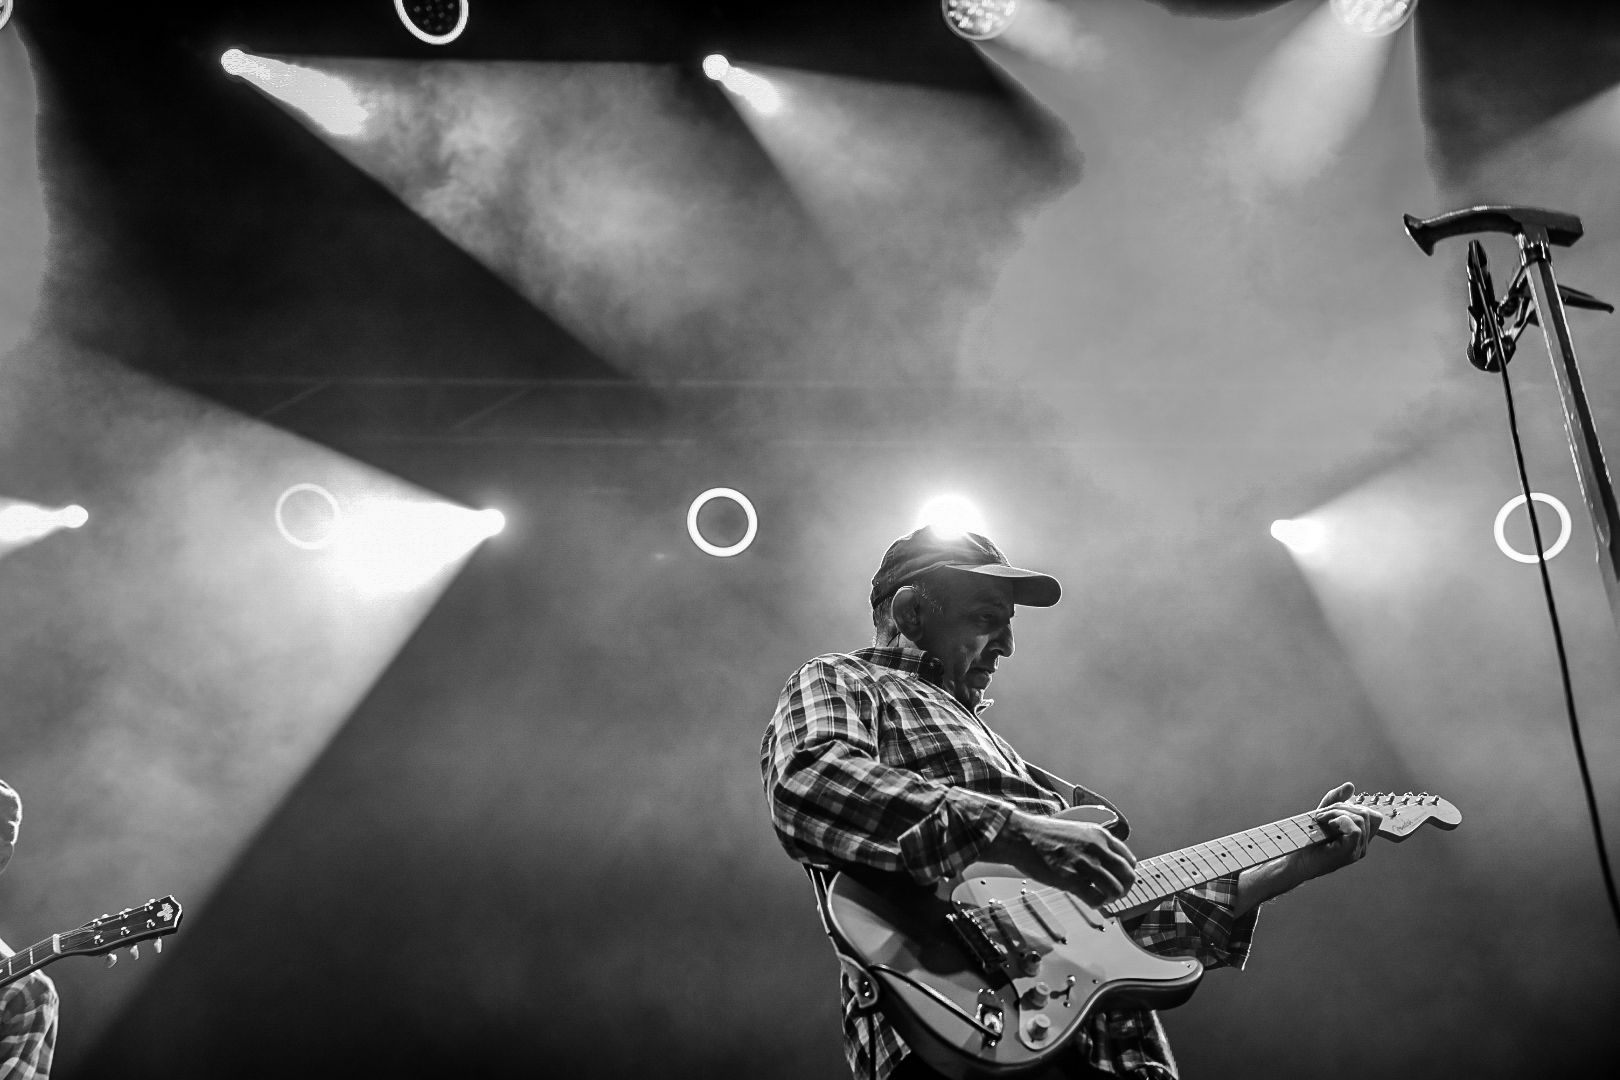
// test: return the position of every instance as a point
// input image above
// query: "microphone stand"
(1537, 231)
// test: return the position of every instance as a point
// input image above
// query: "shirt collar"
(915, 662)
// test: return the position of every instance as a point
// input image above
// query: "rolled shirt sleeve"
(1200, 923)
(833, 802)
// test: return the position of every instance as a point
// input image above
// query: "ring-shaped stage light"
(442, 20)
(696, 534)
(1564, 528)
(298, 541)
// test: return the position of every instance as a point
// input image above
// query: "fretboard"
(32, 958)
(1164, 875)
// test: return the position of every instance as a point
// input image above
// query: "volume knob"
(1036, 996)
(1037, 1027)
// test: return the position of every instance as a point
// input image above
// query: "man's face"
(970, 635)
(10, 817)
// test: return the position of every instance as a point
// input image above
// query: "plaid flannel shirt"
(27, 1028)
(869, 761)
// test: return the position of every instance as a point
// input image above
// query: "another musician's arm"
(28, 1006)
(28, 1024)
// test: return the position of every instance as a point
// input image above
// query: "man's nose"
(1002, 643)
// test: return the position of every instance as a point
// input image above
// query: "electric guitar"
(988, 974)
(155, 919)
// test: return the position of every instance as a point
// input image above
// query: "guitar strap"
(856, 977)
(1080, 795)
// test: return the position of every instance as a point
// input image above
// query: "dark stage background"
(1123, 291)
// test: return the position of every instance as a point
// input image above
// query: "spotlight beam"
(24, 523)
(325, 99)
(757, 90)
(1299, 535)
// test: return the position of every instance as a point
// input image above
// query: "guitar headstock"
(154, 919)
(1403, 814)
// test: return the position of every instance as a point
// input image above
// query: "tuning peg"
(157, 944)
(112, 958)
(134, 952)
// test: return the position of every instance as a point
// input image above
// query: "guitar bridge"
(990, 954)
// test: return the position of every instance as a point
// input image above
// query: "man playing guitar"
(881, 762)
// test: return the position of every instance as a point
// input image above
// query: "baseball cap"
(925, 550)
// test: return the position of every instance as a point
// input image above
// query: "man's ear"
(908, 613)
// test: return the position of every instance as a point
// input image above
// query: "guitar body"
(972, 1012)
(990, 974)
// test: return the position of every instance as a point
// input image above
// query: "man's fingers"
(1117, 846)
(1102, 885)
(1107, 872)
(1338, 794)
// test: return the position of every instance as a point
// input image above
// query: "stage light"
(494, 522)
(1499, 529)
(437, 22)
(979, 20)
(1299, 535)
(719, 551)
(758, 91)
(393, 545)
(716, 66)
(951, 515)
(1374, 17)
(308, 516)
(23, 523)
(325, 99)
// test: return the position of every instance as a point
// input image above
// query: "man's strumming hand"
(1080, 856)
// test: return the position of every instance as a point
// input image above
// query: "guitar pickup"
(1026, 959)
(1043, 915)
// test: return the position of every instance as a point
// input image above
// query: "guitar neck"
(32, 958)
(1176, 871)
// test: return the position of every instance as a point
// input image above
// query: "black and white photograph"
(842, 540)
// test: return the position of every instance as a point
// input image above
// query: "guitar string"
(1303, 822)
(1196, 875)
